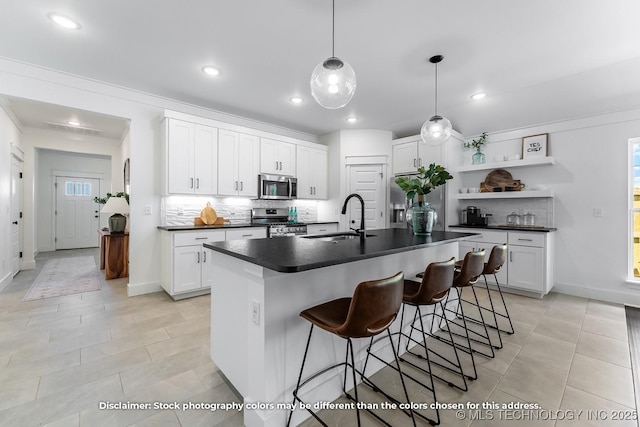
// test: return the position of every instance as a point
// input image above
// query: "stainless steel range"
(278, 221)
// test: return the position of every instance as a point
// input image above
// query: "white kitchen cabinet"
(238, 163)
(529, 265)
(247, 233)
(409, 155)
(184, 260)
(311, 171)
(322, 228)
(191, 152)
(277, 157)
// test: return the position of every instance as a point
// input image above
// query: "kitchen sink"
(336, 237)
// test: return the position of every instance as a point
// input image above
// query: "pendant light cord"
(436, 97)
(333, 29)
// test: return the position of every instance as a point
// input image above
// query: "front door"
(367, 181)
(77, 215)
(16, 215)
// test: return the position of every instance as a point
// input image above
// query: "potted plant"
(423, 216)
(478, 156)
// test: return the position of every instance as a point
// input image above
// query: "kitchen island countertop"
(296, 254)
(507, 228)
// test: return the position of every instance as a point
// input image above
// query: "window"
(635, 208)
(80, 189)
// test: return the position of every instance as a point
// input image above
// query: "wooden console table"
(114, 254)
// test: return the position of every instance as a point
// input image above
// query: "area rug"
(65, 276)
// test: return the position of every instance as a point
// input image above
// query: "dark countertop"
(225, 226)
(506, 228)
(295, 254)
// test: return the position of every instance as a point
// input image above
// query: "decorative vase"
(423, 217)
(477, 158)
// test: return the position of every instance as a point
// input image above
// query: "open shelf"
(505, 195)
(535, 161)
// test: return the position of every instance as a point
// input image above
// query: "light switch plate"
(147, 209)
(255, 312)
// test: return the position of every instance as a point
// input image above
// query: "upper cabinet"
(238, 164)
(277, 157)
(311, 171)
(409, 155)
(191, 158)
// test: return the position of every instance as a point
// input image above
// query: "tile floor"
(59, 358)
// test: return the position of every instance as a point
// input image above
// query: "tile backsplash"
(542, 208)
(181, 210)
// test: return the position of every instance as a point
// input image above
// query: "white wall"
(9, 134)
(590, 171)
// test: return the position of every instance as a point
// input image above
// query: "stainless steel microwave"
(278, 187)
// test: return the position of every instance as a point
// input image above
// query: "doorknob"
(96, 216)
(353, 221)
(15, 222)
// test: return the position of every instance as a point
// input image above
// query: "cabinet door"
(248, 165)
(303, 172)
(319, 174)
(247, 233)
(180, 157)
(287, 158)
(405, 157)
(428, 154)
(228, 163)
(206, 160)
(464, 247)
(526, 268)
(187, 274)
(207, 276)
(269, 162)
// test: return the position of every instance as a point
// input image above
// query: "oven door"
(276, 187)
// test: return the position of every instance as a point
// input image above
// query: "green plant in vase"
(478, 157)
(423, 216)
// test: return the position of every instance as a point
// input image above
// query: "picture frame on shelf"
(535, 145)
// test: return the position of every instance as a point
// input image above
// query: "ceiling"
(538, 61)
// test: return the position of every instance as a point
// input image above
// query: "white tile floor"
(59, 358)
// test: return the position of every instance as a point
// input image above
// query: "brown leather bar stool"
(497, 258)
(467, 274)
(372, 309)
(431, 291)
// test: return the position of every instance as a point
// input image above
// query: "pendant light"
(437, 129)
(333, 82)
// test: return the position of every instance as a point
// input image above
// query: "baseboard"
(143, 288)
(5, 281)
(629, 298)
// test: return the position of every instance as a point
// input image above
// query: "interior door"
(367, 181)
(16, 215)
(77, 215)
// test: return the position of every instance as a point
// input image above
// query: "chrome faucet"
(361, 230)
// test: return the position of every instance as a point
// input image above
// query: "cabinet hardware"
(276, 165)
(510, 256)
(526, 240)
(415, 165)
(201, 238)
(241, 185)
(198, 258)
(191, 182)
(247, 235)
(420, 161)
(204, 257)
(16, 222)
(236, 186)
(197, 182)
(280, 165)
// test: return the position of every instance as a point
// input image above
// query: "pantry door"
(368, 182)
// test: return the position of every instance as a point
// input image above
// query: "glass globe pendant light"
(333, 82)
(437, 129)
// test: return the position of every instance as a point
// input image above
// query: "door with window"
(77, 215)
(367, 181)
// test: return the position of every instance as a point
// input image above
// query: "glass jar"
(513, 219)
(529, 219)
(478, 157)
(422, 217)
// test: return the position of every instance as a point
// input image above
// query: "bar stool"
(372, 309)
(467, 274)
(431, 291)
(497, 258)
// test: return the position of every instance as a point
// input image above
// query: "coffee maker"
(472, 216)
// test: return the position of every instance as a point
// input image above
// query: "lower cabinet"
(185, 261)
(529, 265)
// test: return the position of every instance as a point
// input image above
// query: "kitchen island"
(260, 286)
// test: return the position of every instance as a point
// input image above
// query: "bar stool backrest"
(436, 282)
(374, 307)
(472, 268)
(497, 258)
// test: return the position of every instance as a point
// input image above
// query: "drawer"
(247, 233)
(188, 238)
(490, 236)
(321, 228)
(526, 239)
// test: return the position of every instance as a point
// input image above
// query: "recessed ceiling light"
(296, 100)
(478, 96)
(210, 71)
(352, 119)
(64, 21)
(73, 123)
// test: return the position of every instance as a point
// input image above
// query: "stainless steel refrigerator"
(398, 205)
